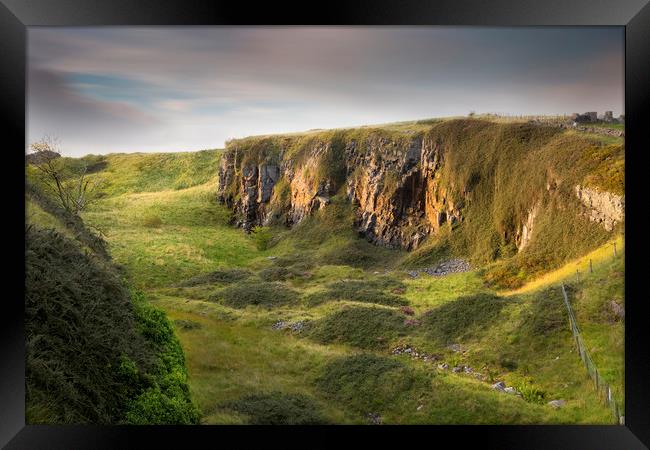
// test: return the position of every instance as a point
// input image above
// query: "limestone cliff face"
(406, 186)
(395, 187)
(605, 208)
(399, 197)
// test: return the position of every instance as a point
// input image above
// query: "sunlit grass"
(574, 269)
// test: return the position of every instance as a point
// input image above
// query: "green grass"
(224, 290)
(277, 408)
(363, 327)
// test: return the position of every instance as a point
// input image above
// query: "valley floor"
(306, 329)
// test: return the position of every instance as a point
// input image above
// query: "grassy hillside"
(97, 352)
(302, 325)
(349, 296)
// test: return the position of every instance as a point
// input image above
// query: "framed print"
(386, 219)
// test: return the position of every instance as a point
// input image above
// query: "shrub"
(251, 293)
(365, 382)
(364, 327)
(278, 408)
(80, 329)
(261, 236)
(96, 353)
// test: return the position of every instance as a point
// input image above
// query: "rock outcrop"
(402, 185)
(602, 207)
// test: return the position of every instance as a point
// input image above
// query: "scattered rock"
(457, 369)
(282, 325)
(271, 257)
(455, 348)
(443, 366)
(413, 273)
(420, 407)
(374, 418)
(557, 404)
(412, 323)
(511, 390)
(499, 386)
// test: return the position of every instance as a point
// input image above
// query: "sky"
(157, 89)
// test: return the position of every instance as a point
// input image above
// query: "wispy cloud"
(169, 88)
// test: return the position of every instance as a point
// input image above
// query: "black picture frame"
(634, 15)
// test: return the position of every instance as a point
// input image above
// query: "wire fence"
(603, 389)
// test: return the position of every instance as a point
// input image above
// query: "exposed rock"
(511, 390)
(617, 310)
(499, 386)
(374, 418)
(399, 186)
(602, 207)
(557, 404)
(443, 366)
(523, 237)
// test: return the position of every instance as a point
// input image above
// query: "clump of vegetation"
(278, 408)
(463, 318)
(365, 382)
(152, 221)
(530, 393)
(93, 354)
(261, 236)
(364, 327)
(253, 293)
(165, 399)
(366, 291)
(224, 276)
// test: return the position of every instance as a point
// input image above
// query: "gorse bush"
(278, 408)
(92, 352)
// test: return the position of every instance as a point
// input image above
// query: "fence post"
(603, 390)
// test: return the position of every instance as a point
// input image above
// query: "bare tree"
(69, 182)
